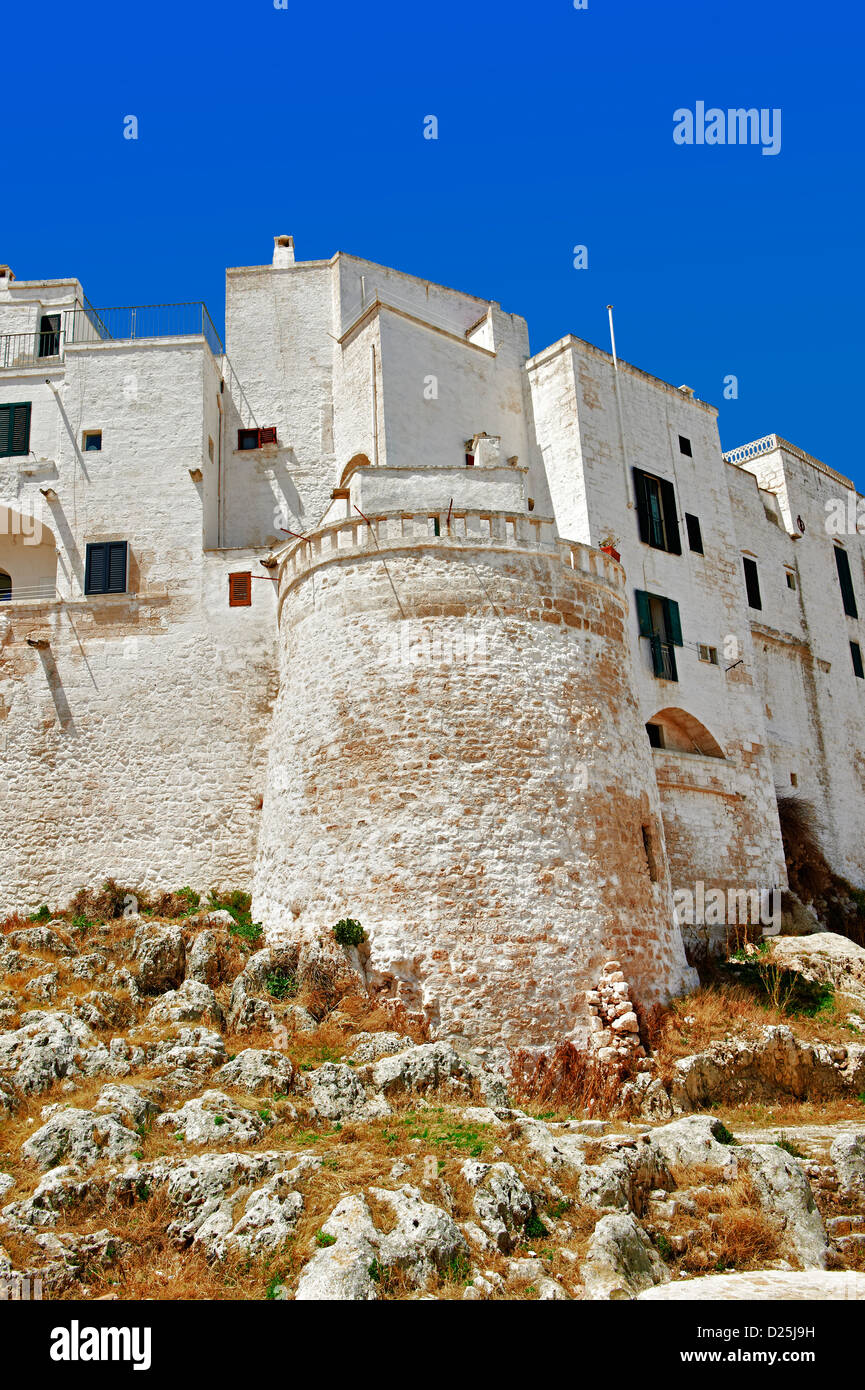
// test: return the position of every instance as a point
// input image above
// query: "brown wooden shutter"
(267, 434)
(240, 589)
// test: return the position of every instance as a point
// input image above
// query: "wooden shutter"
(845, 579)
(14, 429)
(240, 589)
(672, 622)
(695, 535)
(642, 499)
(267, 434)
(671, 517)
(96, 571)
(752, 582)
(116, 567)
(644, 613)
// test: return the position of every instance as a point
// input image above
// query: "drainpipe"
(374, 404)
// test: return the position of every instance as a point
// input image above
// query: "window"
(105, 568)
(791, 579)
(92, 441)
(240, 589)
(660, 623)
(794, 779)
(656, 512)
(49, 336)
(685, 446)
(470, 460)
(255, 437)
(14, 429)
(856, 653)
(656, 735)
(709, 654)
(695, 535)
(5, 587)
(845, 579)
(752, 582)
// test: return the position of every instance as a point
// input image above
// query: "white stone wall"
(594, 426)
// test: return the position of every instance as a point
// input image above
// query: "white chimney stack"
(283, 251)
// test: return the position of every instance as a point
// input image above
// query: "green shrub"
(42, 915)
(282, 984)
(348, 932)
(324, 1240)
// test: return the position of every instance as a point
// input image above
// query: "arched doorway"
(5, 587)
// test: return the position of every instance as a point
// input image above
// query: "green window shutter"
(14, 429)
(845, 579)
(96, 569)
(672, 622)
(21, 428)
(671, 517)
(642, 504)
(644, 613)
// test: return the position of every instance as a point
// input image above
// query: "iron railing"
(31, 349)
(126, 323)
(663, 658)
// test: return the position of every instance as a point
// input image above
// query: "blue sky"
(555, 130)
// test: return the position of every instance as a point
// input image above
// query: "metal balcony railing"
(126, 323)
(30, 349)
(122, 324)
(663, 658)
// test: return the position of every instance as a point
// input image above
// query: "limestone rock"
(338, 1094)
(78, 1136)
(824, 958)
(191, 1003)
(259, 1072)
(368, 1047)
(693, 1139)
(125, 1101)
(785, 1192)
(848, 1155)
(501, 1201)
(159, 953)
(342, 1270)
(760, 1285)
(422, 1068)
(621, 1261)
(43, 1050)
(214, 1118)
(424, 1239)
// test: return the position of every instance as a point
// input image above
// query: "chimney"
(283, 251)
(7, 275)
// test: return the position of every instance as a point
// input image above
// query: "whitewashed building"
(337, 609)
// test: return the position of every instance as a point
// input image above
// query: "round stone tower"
(458, 761)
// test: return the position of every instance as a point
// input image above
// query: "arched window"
(5, 587)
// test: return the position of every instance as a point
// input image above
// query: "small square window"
(685, 446)
(470, 460)
(791, 579)
(247, 439)
(856, 654)
(709, 654)
(92, 441)
(656, 735)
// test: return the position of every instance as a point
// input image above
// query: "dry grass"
(567, 1081)
(729, 1230)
